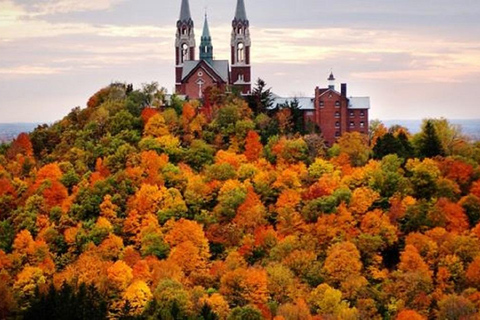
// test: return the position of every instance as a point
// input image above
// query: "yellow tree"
(137, 295)
(156, 126)
(355, 145)
(119, 275)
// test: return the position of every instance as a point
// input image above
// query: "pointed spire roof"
(206, 30)
(185, 11)
(331, 77)
(206, 47)
(241, 13)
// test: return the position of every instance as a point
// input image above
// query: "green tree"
(429, 144)
(261, 99)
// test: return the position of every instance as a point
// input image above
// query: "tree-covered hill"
(142, 206)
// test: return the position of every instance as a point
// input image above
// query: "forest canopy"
(143, 207)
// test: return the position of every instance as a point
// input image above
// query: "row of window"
(352, 124)
(352, 114)
(337, 104)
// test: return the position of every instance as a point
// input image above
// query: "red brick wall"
(190, 87)
(331, 117)
(178, 74)
(357, 117)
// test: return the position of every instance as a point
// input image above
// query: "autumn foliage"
(173, 212)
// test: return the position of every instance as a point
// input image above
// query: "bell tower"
(240, 50)
(184, 42)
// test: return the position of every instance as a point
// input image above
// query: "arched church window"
(240, 52)
(185, 52)
(184, 31)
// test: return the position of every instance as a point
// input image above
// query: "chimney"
(344, 90)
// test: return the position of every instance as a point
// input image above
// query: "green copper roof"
(185, 11)
(206, 47)
(206, 30)
(241, 13)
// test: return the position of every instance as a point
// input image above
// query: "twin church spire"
(239, 75)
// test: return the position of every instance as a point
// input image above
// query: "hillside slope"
(217, 212)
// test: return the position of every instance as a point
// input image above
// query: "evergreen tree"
(389, 144)
(429, 144)
(386, 145)
(66, 303)
(261, 99)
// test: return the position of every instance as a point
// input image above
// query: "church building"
(332, 112)
(193, 76)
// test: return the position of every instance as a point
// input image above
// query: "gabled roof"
(325, 90)
(218, 67)
(240, 12)
(359, 103)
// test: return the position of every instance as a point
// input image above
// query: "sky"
(414, 58)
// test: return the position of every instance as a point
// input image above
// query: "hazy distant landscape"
(8, 131)
(471, 127)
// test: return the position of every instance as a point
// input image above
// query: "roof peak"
(240, 12)
(331, 77)
(185, 11)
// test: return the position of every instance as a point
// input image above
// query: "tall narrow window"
(184, 52)
(240, 52)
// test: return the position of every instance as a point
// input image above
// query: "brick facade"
(336, 114)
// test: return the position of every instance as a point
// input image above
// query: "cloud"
(32, 70)
(66, 6)
(370, 54)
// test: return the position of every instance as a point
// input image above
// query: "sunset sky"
(414, 58)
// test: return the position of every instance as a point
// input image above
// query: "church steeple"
(206, 47)
(185, 15)
(240, 12)
(240, 49)
(184, 41)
